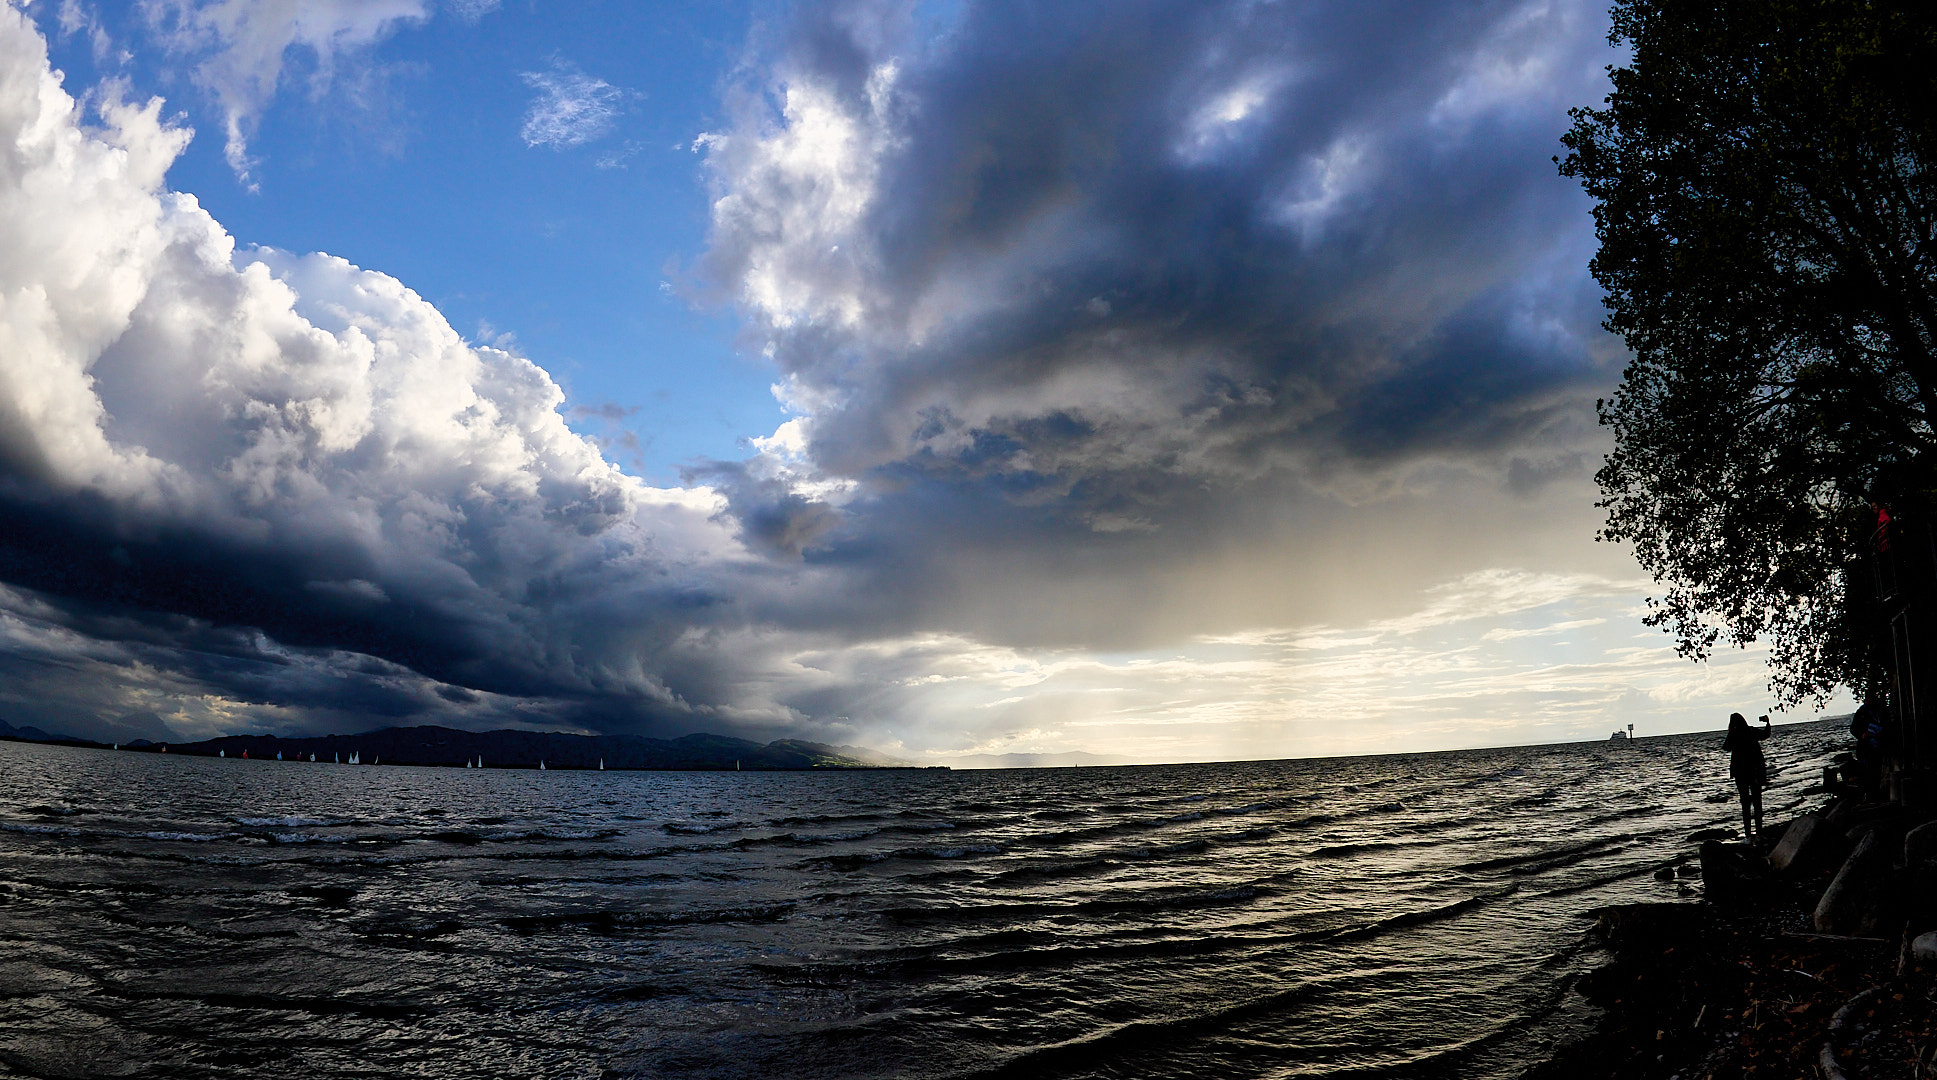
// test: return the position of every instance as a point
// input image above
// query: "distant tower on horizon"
(1630, 731)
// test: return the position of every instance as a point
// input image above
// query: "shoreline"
(1765, 975)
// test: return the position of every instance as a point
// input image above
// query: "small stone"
(1924, 949)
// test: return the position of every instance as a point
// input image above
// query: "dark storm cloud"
(256, 484)
(1083, 259)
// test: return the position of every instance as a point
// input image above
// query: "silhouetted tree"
(1763, 174)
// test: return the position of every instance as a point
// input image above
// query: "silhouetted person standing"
(1867, 728)
(1751, 773)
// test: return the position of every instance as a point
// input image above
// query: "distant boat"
(1622, 736)
(541, 764)
(601, 764)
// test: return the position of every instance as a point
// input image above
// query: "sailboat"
(601, 764)
(541, 764)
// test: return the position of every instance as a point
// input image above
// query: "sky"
(1170, 381)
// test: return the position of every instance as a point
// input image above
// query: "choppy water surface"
(1391, 916)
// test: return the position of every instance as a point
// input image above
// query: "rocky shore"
(1809, 954)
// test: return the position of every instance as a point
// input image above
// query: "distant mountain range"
(509, 749)
(34, 734)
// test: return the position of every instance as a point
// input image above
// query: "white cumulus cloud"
(238, 49)
(291, 444)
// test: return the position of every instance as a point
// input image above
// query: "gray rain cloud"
(1040, 282)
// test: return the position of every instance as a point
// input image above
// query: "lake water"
(167, 916)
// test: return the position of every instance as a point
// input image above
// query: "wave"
(794, 839)
(1333, 851)
(1616, 815)
(55, 810)
(856, 862)
(822, 819)
(1060, 869)
(1173, 900)
(318, 1006)
(1602, 881)
(1544, 855)
(682, 828)
(1414, 918)
(612, 921)
(1010, 951)
(1118, 1041)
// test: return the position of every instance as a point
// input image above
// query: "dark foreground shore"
(1800, 960)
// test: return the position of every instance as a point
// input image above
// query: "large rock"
(1639, 928)
(1920, 844)
(1858, 899)
(1920, 875)
(1924, 949)
(1796, 847)
(1847, 816)
(1732, 873)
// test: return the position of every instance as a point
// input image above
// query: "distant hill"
(1029, 761)
(525, 749)
(34, 734)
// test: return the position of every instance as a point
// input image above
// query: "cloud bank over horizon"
(1181, 387)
